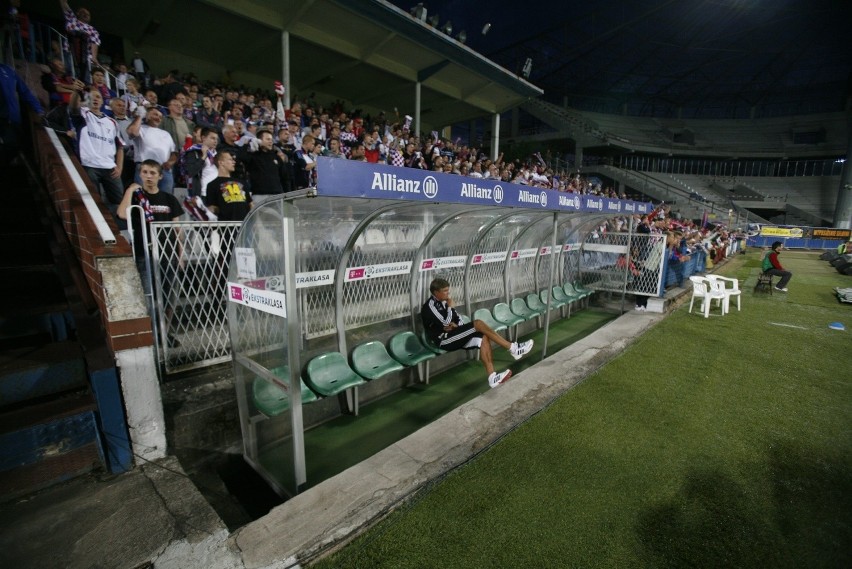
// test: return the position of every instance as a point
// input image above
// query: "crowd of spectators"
(192, 109)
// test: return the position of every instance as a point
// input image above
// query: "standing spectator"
(200, 164)
(85, 39)
(156, 206)
(676, 257)
(267, 167)
(227, 196)
(132, 96)
(229, 142)
(100, 147)
(170, 86)
(358, 153)
(333, 150)
(304, 166)
(772, 266)
(99, 83)
(141, 70)
(207, 116)
(176, 125)
(118, 107)
(348, 139)
(121, 79)
(150, 142)
(59, 85)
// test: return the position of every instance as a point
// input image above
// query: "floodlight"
(448, 28)
(485, 28)
(433, 21)
(419, 12)
(527, 69)
(462, 37)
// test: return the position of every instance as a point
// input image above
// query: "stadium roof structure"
(369, 52)
(668, 58)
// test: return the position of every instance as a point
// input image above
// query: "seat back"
(554, 302)
(559, 294)
(271, 400)
(372, 360)
(504, 314)
(485, 315)
(520, 308)
(328, 374)
(735, 283)
(535, 303)
(572, 290)
(408, 350)
(699, 286)
(429, 344)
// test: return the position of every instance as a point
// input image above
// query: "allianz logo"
(566, 201)
(525, 196)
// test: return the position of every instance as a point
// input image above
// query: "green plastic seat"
(554, 302)
(571, 290)
(429, 344)
(535, 303)
(485, 315)
(520, 308)
(270, 399)
(504, 315)
(371, 360)
(464, 318)
(580, 288)
(560, 296)
(408, 350)
(329, 374)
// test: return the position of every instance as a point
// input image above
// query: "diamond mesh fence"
(618, 262)
(190, 261)
(378, 274)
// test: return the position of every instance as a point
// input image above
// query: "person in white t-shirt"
(150, 142)
(99, 146)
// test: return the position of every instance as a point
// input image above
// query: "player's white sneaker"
(496, 379)
(520, 350)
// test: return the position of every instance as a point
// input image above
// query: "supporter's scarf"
(144, 204)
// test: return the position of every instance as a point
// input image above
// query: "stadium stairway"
(50, 427)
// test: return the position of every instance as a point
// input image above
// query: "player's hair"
(438, 284)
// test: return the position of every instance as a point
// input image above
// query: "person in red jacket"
(772, 266)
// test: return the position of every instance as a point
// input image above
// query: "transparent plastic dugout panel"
(260, 298)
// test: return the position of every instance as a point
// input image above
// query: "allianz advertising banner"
(345, 178)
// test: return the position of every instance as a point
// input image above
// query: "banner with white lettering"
(264, 300)
(303, 280)
(439, 263)
(376, 271)
(346, 178)
(523, 254)
(482, 258)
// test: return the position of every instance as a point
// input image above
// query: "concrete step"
(47, 442)
(32, 373)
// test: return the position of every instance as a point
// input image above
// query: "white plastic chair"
(701, 288)
(719, 284)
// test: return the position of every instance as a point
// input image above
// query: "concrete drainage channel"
(204, 435)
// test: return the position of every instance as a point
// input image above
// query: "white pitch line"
(788, 325)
